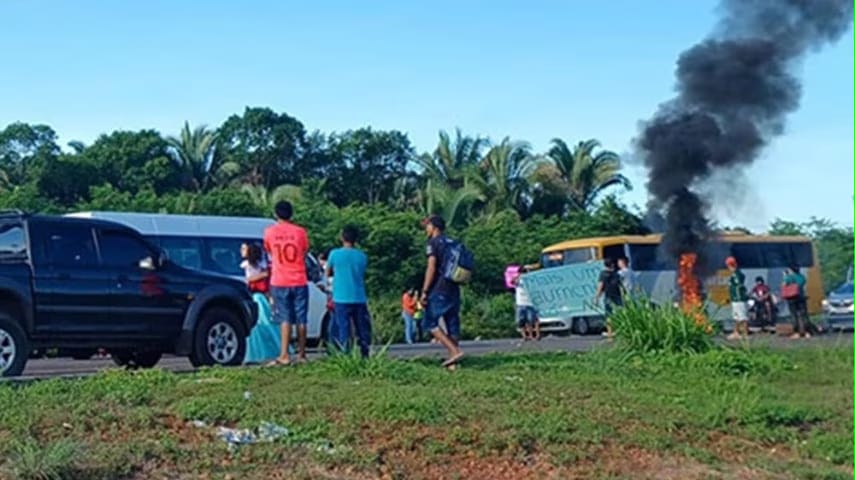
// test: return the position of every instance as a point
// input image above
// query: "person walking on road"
(350, 301)
(287, 245)
(440, 297)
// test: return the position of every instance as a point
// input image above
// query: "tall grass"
(644, 328)
(30, 461)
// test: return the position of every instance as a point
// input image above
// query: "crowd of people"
(281, 289)
(792, 291)
(617, 282)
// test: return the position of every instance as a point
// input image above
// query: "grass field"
(722, 414)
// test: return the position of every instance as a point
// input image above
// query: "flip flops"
(452, 360)
(278, 363)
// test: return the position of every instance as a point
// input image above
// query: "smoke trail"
(734, 90)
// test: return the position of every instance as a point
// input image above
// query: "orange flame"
(690, 287)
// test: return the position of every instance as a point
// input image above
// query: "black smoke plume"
(734, 91)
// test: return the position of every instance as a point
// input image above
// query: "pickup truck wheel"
(219, 339)
(14, 347)
(133, 360)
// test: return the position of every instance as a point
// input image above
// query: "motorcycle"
(761, 317)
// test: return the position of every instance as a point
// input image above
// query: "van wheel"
(14, 347)
(323, 337)
(133, 359)
(581, 326)
(219, 339)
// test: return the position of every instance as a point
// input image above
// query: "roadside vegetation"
(614, 413)
(506, 200)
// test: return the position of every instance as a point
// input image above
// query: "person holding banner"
(526, 314)
(610, 287)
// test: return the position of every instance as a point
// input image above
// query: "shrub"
(644, 328)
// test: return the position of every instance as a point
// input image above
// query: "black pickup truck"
(82, 284)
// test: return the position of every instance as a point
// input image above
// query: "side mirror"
(147, 263)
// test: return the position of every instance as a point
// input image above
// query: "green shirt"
(798, 279)
(736, 287)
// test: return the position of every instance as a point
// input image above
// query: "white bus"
(212, 244)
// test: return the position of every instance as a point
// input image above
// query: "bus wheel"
(581, 326)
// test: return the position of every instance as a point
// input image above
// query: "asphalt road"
(66, 367)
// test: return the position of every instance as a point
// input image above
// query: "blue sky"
(530, 70)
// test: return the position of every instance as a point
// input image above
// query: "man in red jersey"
(287, 244)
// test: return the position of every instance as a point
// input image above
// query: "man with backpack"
(449, 265)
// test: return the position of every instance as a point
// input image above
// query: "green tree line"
(503, 199)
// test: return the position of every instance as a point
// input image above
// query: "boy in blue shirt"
(350, 302)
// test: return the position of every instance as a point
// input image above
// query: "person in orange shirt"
(287, 244)
(408, 313)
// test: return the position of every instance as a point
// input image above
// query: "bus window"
(752, 255)
(772, 254)
(648, 256)
(802, 254)
(567, 257)
(614, 252)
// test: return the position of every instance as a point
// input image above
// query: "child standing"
(255, 269)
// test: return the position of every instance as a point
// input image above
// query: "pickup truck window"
(121, 249)
(66, 245)
(12, 242)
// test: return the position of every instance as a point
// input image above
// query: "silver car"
(839, 307)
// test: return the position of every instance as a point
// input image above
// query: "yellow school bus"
(656, 275)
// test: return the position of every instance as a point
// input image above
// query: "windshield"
(567, 257)
(845, 289)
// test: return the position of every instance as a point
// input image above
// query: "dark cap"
(436, 221)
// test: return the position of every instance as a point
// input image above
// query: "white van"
(212, 244)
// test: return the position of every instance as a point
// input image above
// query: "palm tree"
(451, 176)
(266, 198)
(454, 204)
(195, 151)
(505, 171)
(584, 173)
(453, 160)
(77, 146)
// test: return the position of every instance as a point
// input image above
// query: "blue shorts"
(446, 308)
(526, 315)
(290, 305)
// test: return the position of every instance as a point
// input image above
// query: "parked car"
(81, 284)
(212, 244)
(838, 306)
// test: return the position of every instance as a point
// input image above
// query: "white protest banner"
(564, 291)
